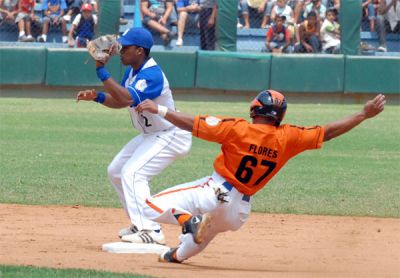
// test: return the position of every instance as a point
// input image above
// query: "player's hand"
(87, 95)
(374, 106)
(147, 105)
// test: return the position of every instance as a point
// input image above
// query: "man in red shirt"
(251, 154)
(278, 36)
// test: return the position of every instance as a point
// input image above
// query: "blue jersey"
(185, 3)
(61, 3)
(148, 82)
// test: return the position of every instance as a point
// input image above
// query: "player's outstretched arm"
(181, 120)
(92, 95)
(371, 109)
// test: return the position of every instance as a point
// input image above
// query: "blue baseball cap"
(137, 36)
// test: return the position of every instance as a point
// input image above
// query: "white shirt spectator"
(286, 11)
(392, 15)
(321, 11)
(329, 38)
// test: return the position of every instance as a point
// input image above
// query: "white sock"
(64, 39)
(22, 33)
(29, 36)
(44, 37)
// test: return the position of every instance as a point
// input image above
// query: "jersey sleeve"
(214, 129)
(269, 34)
(287, 35)
(305, 138)
(77, 19)
(147, 85)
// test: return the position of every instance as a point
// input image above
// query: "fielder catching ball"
(159, 143)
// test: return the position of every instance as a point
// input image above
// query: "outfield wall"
(212, 70)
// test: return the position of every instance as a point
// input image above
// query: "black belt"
(228, 186)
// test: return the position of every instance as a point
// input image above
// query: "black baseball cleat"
(197, 225)
(169, 256)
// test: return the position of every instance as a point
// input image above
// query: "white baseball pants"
(196, 198)
(142, 158)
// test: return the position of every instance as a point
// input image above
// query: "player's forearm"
(342, 126)
(181, 120)
(112, 103)
(119, 93)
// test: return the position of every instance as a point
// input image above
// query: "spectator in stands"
(330, 33)
(317, 7)
(74, 7)
(308, 35)
(53, 11)
(369, 12)
(256, 7)
(157, 14)
(208, 15)
(388, 21)
(8, 10)
(25, 17)
(186, 9)
(278, 37)
(299, 6)
(281, 8)
(82, 27)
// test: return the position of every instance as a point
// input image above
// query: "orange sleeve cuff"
(321, 136)
(196, 125)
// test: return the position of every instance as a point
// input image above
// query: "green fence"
(232, 71)
(22, 65)
(213, 70)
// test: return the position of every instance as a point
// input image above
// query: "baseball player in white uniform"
(159, 142)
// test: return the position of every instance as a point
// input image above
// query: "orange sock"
(182, 218)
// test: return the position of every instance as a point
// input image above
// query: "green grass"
(36, 272)
(56, 152)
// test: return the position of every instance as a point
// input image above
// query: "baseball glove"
(103, 47)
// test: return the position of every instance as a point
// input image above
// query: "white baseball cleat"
(145, 236)
(128, 231)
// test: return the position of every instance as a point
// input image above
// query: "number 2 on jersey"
(244, 172)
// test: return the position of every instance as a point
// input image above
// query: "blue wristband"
(102, 73)
(101, 97)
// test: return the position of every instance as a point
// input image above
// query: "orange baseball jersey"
(253, 153)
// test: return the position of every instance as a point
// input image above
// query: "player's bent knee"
(112, 171)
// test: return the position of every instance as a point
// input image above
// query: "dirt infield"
(267, 246)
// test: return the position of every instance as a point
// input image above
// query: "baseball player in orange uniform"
(252, 153)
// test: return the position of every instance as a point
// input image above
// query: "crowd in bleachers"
(300, 26)
(312, 26)
(34, 19)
